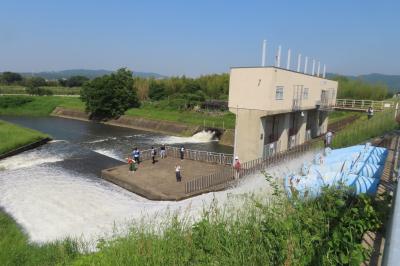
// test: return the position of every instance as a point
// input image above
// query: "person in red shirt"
(237, 166)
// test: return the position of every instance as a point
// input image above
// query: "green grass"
(42, 105)
(363, 129)
(226, 119)
(341, 115)
(13, 136)
(15, 248)
(15, 89)
(323, 231)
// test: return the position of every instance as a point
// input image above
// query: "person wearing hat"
(237, 166)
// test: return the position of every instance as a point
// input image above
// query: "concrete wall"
(252, 97)
(249, 134)
(255, 88)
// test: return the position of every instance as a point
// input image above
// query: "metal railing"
(195, 155)
(292, 141)
(363, 104)
(271, 148)
(227, 176)
(260, 164)
(391, 252)
(211, 180)
(308, 135)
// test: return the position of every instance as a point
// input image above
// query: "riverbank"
(14, 137)
(145, 118)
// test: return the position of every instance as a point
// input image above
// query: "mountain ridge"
(90, 73)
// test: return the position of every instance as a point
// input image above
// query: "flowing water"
(55, 191)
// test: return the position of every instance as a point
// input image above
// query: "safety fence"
(363, 104)
(195, 155)
(226, 176)
(223, 177)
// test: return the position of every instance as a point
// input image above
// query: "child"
(132, 164)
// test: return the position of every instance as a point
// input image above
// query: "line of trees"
(358, 89)
(12, 78)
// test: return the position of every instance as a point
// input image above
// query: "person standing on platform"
(178, 173)
(237, 167)
(182, 152)
(162, 152)
(136, 155)
(153, 155)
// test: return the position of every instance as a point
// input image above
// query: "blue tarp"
(359, 167)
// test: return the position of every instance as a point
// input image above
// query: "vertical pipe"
(264, 53)
(288, 60)
(318, 69)
(324, 71)
(305, 64)
(313, 67)
(298, 62)
(278, 57)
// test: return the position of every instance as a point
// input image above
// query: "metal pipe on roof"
(264, 53)
(305, 65)
(298, 62)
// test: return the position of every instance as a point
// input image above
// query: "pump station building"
(277, 109)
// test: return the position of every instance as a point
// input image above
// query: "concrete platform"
(157, 181)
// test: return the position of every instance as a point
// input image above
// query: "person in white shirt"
(328, 138)
(370, 112)
(178, 173)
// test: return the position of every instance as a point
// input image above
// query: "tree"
(109, 96)
(35, 82)
(76, 81)
(10, 77)
(157, 91)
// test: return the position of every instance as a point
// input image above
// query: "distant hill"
(391, 81)
(53, 75)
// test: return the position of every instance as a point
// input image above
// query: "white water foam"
(29, 159)
(101, 140)
(51, 203)
(199, 137)
(110, 153)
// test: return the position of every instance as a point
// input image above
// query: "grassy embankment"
(36, 105)
(16, 89)
(44, 105)
(323, 231)
(363, 129)
(337, 116)
(13, 136)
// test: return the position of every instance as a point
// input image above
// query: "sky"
(193, 38)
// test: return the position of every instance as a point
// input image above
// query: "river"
(55, 191)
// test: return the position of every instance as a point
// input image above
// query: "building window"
(305, 93)
(279, 93)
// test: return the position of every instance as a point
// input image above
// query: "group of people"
(134, 159)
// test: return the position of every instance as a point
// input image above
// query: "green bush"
(358, 89)
(39, 91)
(14, 101)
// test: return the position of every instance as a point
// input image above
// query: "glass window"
(305, 93)
(279, 93)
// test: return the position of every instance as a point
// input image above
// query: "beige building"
(277, 109)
